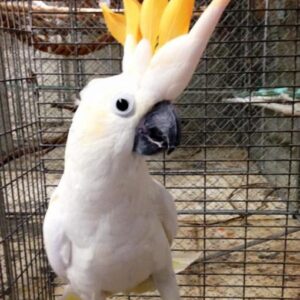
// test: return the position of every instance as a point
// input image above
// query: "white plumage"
(109, 225)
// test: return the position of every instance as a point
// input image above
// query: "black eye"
(122, 105)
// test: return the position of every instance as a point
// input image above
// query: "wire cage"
(235, 176)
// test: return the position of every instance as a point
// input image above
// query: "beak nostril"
(159, 130)
(156, 134)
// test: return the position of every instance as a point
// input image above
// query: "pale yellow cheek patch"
(94, 127)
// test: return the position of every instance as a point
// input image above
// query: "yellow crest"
(158, 21)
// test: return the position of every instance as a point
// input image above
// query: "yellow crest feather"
(115, 23)
(176, 20)
(133, 14)
(152, 11)
(158, 21)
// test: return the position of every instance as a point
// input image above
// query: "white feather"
(173, 65)
(109, 225)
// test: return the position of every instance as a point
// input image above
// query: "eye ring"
(123, 105)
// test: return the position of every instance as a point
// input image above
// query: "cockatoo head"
(133, 112)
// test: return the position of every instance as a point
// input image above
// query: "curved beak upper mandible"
(158, 130)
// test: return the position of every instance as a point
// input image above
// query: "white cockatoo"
(109, 225)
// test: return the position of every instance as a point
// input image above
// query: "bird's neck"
(92, 182)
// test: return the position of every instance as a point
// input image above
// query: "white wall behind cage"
(235, 177)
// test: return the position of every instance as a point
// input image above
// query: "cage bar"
(235, 176)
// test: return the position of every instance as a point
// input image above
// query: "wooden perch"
(49, 21)
(283, 104)
(35, 147)
(68, 107)
(15, 15)
(23, 7)
(16, 7)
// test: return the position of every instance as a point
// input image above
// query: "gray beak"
(159, 130)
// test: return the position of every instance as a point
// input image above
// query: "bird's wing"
(165, 208)
(57, 244)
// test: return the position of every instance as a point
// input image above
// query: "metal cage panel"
(235, 177)
(24, 272)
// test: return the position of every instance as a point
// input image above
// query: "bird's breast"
(125, 250)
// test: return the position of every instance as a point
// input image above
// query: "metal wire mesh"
(24, 270)
(235, 177)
